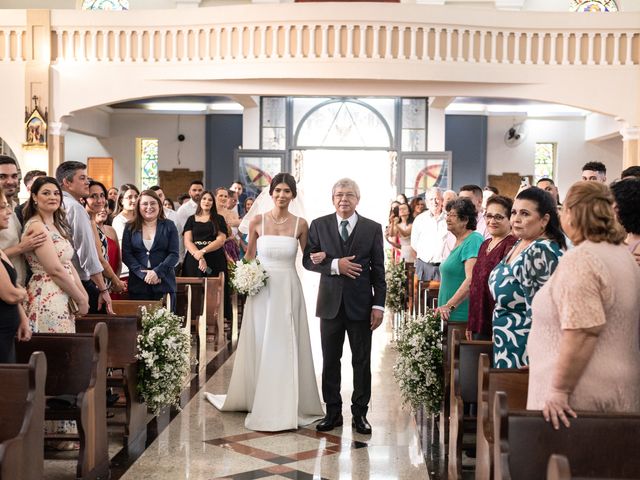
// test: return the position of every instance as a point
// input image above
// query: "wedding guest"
(549, 185)
(594, 171)
(169, 213)
(401, 198)
(13, 320)
(627, 207)
(125, 213)
(417, 206)
(168, 204)
(113, 247)
(112, 194)
(474, 193)
(95, 203)
(428, 235)
(493, 250)
(241, 197)
(28, 180)
(55, 293)
(584, 339)
(54, 280)
(231, 247)
(248, 203)
(74, 181)
(150, 250)
(515, 281)
(401, 229)
(456, 270)
(448, 196)
(632, 171)
(10, 238)
(205, 234)
(187, 209)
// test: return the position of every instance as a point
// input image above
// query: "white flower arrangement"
(419, 369)
(163, 358)
(248, 277)
(396, 277)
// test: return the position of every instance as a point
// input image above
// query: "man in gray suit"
(346, 249)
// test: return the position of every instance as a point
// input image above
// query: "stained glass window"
(148, 161)
(545, 160)
(593, 6)
(422, 173)
(105, 5)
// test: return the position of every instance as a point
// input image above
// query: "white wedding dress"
(273, 376)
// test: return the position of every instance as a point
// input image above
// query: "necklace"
(276, 221)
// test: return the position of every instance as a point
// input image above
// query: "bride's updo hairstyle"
(284, 178)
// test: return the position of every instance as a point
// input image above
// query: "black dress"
(202, 234)
(9, 322)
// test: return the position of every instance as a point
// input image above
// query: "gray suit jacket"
(359, 294)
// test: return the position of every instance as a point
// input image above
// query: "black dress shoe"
(329, 422)
(361, 424)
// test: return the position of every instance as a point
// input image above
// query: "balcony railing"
(363, 32)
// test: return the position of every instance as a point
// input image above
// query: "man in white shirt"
(10, 241)
(428, 236)
(168, 212)
(74, 181)
(187, 209)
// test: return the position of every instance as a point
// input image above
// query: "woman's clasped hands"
(151, 277)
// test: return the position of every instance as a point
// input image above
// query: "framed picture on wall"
(420, 171)
(256, 168)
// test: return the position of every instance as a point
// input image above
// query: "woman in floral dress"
(518, 277)
(54, 281)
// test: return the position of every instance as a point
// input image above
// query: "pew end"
(22, 419)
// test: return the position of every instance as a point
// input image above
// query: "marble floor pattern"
(202, 443)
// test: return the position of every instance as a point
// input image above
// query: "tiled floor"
(202, 443)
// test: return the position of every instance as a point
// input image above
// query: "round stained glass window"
(593, 6)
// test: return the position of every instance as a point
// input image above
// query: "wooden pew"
(559, 468)
(133, 307)
(514, 382)
(195, 311)
(447, 336)
(464, 389)
(77, 365)
(121, 356)
(22, 419)
(596, 444)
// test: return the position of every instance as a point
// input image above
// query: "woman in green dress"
(518, 277)
(455, 271)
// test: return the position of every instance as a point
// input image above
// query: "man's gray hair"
(432, 191)
(346, 183)
(66, 170)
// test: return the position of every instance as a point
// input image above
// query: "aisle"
(202, 443)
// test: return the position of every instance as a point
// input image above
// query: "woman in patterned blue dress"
(516, 279)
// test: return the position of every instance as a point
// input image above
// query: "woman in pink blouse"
(493, 250)
(584, 341)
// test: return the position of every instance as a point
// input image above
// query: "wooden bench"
(77, 366)
(133, 307)
(597, 444)
(121, 357)
(191, 301)
(464, 390)
(447, 337)
(514, 382)
(22, 419)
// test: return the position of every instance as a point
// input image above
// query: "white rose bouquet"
(419, 366)
(248, 277)
(163, 358)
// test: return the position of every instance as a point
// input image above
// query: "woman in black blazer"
(150, 249)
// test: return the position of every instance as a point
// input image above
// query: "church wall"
(466, 138)
(125, 128)
(572, 151)
(223, 135)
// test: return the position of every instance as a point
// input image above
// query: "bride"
(273, 376)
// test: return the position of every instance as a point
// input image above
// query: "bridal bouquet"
(248, 277)
(163, 358)
(419, 369)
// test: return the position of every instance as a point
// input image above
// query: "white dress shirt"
(428, 236)
(182, 215)
(85, 257)
(353, 219)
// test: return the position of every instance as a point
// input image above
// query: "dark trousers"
(332, 336)
(94, 293)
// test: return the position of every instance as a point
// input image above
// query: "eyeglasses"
(452, 214)
(348, 196)
(497, 217)
(149, 205)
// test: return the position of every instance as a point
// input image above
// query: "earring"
(35, 203)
